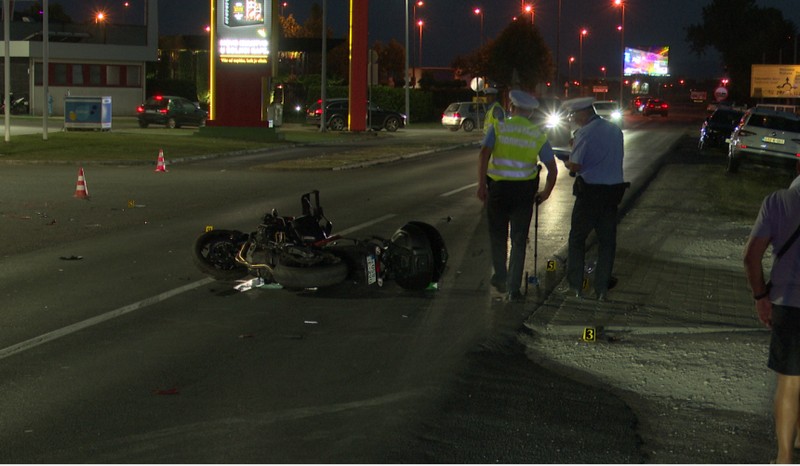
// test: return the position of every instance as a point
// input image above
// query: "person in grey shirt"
(777, 303)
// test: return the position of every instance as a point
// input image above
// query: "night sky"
(451, 28)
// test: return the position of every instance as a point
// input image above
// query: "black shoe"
(612, 282)
(499, 285)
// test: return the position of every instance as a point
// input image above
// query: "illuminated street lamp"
(529, 9)
(419, 57)
(479, 12)
(621, 5)
(570, 61)
(283, 7)
(99, 17)
(583, 33)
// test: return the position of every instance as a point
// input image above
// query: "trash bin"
(87, 113)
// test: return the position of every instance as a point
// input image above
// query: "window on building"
(134, 75)
(95, 75)
(77, 75)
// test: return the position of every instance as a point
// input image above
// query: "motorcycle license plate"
(372, 270)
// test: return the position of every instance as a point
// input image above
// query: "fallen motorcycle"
(301, 252)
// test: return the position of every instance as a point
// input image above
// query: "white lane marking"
(456, 191)
(69, 329)
(64, 331)
(366, 224)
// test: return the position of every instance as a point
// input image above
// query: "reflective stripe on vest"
(516, 150)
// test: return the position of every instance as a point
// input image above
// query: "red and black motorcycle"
(301, 252)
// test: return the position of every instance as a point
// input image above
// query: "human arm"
(754, 252)
(550, 183)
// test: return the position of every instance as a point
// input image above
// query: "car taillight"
(456, 115)
(318, 112)
(163, 111)
(139, 109)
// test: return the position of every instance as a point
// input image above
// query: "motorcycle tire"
(315, 276)
(438, 248)
(214, 253)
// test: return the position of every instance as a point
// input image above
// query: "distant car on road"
(609, 110)
(337, 113)
(655, 107)
(718, 127)
(638, 102)
(466, 115)
(170, 111)
(765, 136)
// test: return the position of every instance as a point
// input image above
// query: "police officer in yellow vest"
(495, 111)
(508, 182)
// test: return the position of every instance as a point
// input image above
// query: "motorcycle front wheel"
(214, 253)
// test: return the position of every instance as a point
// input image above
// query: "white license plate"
(372, 272)
(773, 140)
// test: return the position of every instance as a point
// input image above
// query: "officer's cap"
(575, 105)
(523, 100)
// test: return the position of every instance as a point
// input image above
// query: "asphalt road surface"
(115, 349)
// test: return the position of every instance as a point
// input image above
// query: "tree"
(391, 59)
(290, 27)
(769, 38)
(519, 57)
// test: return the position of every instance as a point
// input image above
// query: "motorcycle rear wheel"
(214, 253)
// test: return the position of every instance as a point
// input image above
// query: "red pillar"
(359, 49)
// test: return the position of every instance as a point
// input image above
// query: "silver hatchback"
(765, 136)
(466, 115)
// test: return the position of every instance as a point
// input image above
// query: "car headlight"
(553, 120)
(616, 115)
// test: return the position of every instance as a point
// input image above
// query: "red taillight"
(664, 106)
(158, 97)
(163, 111)
(139, 109)
(456, 115)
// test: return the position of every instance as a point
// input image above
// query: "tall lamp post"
(479, 12)
(621, 4)
(405, 80)
(529, 9)
(569, 76)
(583, 33)
(419, 56)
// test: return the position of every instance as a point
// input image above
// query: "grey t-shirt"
(777, 220)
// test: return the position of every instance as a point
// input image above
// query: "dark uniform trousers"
(595, 209)
(510, 202)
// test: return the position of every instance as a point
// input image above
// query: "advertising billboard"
(775, 81)
(653, 61)
(243, 31)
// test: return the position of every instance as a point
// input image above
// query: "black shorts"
(784, 346)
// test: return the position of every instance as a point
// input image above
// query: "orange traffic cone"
(162, 165)
(81, 191)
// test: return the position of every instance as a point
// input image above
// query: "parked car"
(655, 107)
(718, 127)
(765, 136)
(466, 115)
(170, 111)
(337, 110)
(609, 110)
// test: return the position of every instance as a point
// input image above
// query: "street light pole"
(405, 81)
(479, 12)
(419, 57)
(621, 3)
(583, 33)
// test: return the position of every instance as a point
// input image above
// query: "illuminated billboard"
(650, 62)
(242, 31)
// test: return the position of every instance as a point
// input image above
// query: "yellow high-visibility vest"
(516, 150)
